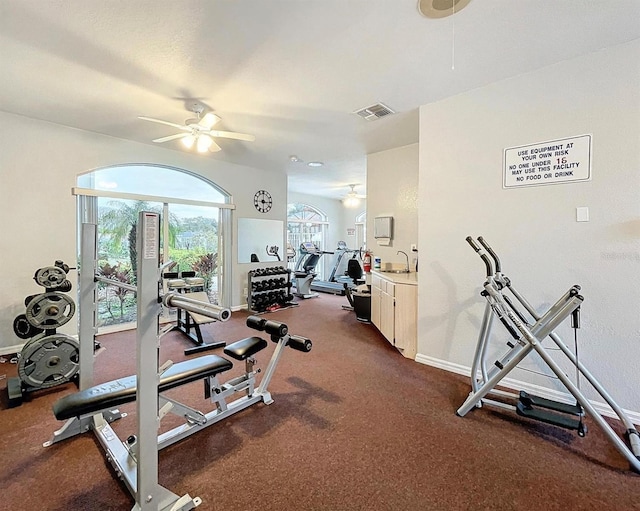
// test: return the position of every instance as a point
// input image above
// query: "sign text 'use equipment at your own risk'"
(546, 163)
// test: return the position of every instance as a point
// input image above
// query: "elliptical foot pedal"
(526, 408)
(548, 417)
(529, 401)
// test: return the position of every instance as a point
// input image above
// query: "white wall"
(392, 190)
(534, 230)
(39, 163)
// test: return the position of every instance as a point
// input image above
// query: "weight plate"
(23, 328)
(50, 310)
(49, 361)
(50, 276)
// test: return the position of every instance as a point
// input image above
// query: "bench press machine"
(527, 337)
(135, 460)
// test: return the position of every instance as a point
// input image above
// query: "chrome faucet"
(405, 254)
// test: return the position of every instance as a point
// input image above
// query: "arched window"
(305, 223)
(154, 180)
(195, 214)
(361, 230)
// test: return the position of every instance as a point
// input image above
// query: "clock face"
(262, 201)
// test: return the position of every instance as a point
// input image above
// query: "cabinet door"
(406, 311)
(387, 312)
(375, 306)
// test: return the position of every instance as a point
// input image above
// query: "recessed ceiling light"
(315, 164)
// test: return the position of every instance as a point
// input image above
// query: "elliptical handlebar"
(492, 253)
(483, 256)
(473, 244)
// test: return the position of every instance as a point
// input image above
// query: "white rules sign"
(548, 163)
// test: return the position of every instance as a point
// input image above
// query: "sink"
(395, 271)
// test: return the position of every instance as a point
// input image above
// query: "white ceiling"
(290, 72)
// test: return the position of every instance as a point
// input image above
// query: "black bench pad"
(123, 390)
(241, 350)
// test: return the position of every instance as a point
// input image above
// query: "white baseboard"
(11, 350)
(563, 397)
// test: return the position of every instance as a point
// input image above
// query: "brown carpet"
(354, 426)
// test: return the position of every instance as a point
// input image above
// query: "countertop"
(398, 278)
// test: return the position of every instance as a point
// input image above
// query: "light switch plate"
(582, 214)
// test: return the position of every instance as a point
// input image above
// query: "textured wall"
(543, 248)
(392, 190)
(39, 163)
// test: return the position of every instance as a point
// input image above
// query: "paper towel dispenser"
(383, 227)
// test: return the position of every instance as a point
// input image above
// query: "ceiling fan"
(352, 198)
(197, 131)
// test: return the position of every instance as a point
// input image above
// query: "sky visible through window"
(155, 180)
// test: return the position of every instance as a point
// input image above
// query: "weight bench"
(86, 409)
(118, 392)
(93, 409)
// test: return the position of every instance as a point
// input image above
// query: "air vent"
(373, 112)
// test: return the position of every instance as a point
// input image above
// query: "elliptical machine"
(304, 272)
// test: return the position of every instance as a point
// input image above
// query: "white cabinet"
(394, 310)
(375, 300)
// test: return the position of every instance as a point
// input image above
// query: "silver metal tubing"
(583, 370)
(474, 399)
(209, 310)
(479, 363)
(593, 413)
(116, 283)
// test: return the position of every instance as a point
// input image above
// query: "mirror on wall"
(256, 236)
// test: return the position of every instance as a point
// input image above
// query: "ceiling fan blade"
(214, 148)
(232, 134)
(179, 126)
(209, 120)
(171, 137)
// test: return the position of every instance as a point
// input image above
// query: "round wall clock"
(262, 201)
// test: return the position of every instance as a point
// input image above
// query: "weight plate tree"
(48, 358)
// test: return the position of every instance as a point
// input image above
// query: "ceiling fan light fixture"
(198, 132)
(351, 202)
(204, 143)
(209, 120)
(315, 164)
(188, 141)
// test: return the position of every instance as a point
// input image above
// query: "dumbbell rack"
(269, 289)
